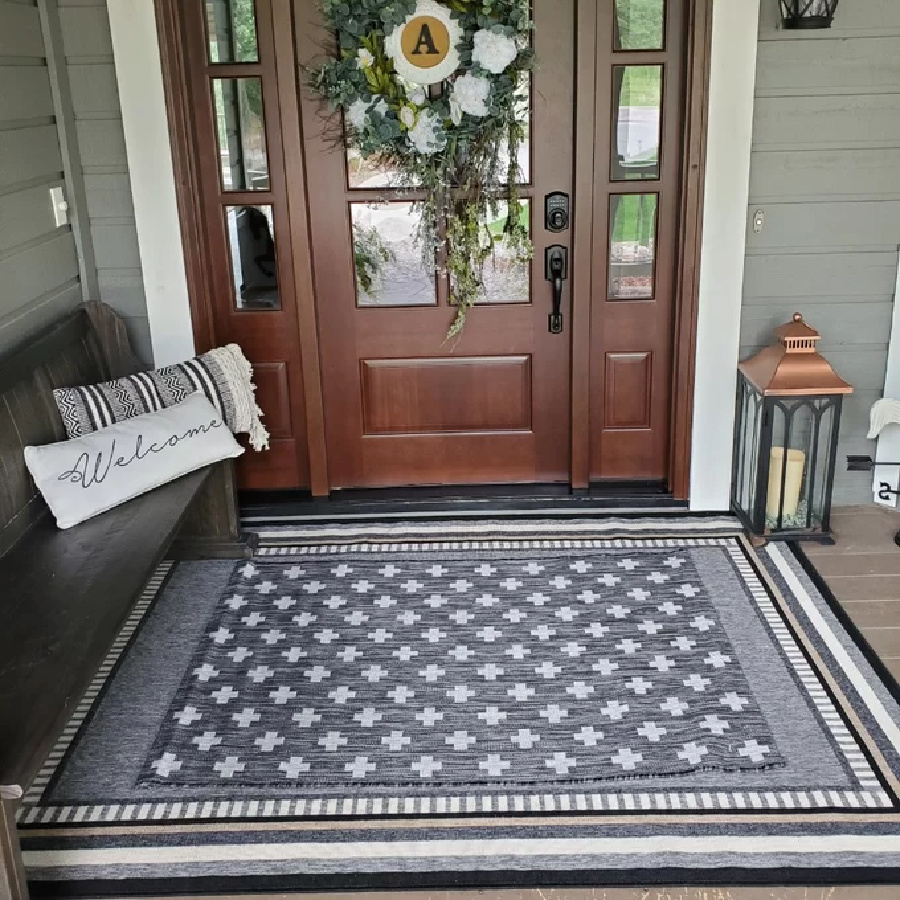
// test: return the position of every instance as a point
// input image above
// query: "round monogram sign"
(424, 49)
(425, 42)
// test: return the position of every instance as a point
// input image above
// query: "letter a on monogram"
(425, 40)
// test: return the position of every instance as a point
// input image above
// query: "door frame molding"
(186, 162)
(690, 239)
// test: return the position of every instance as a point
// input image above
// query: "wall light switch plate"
(60, 206)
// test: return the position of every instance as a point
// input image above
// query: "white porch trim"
(730, 136)
(149, 150)
(735, 29)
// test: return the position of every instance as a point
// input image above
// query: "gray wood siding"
(38, 262)
(825, 169)
(98, 120)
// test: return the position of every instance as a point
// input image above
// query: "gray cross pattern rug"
(468, 668)
(476, 703)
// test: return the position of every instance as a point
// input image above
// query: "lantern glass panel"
(750, 408)
(824, 459)
(800, 462)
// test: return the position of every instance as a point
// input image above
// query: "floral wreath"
(450, 128)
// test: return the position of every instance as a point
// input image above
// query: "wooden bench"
(64, 595)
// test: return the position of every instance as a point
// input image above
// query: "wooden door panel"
(629, 390)
(435, 396)
(273, 395)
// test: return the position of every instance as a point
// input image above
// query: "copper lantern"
(807, 13)
(788, 419)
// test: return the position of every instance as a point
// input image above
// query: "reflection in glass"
(231, 25)
(506, 278)
(251, 239)
(639, 25)
(242, 134)
(389, 268)
(637, 101)
(632, 251)
(370, 173)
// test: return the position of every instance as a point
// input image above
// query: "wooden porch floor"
(863, 572)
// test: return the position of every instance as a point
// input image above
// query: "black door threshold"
(635, 498)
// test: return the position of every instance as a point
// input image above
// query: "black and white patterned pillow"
(223, 375)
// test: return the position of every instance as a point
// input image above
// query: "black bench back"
(67, 355)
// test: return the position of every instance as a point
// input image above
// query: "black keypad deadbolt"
(556, 212)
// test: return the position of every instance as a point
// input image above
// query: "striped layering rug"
(482, 703)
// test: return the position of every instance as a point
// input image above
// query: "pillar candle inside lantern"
(796, 461)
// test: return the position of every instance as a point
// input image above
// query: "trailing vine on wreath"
(431, 90)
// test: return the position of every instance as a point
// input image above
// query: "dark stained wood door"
(233, 92)
(402, 407)
(637, 192)
(310, 264)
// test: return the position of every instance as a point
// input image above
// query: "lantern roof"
(793, 367)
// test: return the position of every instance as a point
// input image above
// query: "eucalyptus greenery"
(458, 144)
(370, 255)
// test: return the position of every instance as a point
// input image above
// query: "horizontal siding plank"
(115, 247)
(109, 196)
(24, 216)
(102, 143)
(123, 290)
(85, 31)
(858, 66)
(794, 123)
(840, 324)
(818, 174)
(819, 275)
(867, 225)
(40, 314)
(20, 31)
(94, 89)
(855, 418)
(29, 153)
(25, 93)
(37, 271)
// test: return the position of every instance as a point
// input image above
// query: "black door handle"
(556, 264)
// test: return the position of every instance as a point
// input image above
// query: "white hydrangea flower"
(456, 112)
(493, 51)
(426, 136)
(407, 116)
(471, 93)
(416, 95)
(358, 114)
(364, 58)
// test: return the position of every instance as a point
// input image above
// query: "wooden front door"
(314, 271)
(402, 405)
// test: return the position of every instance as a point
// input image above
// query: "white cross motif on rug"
(530, 667)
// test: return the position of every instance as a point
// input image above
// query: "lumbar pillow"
(224, 376)
(86, 476)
